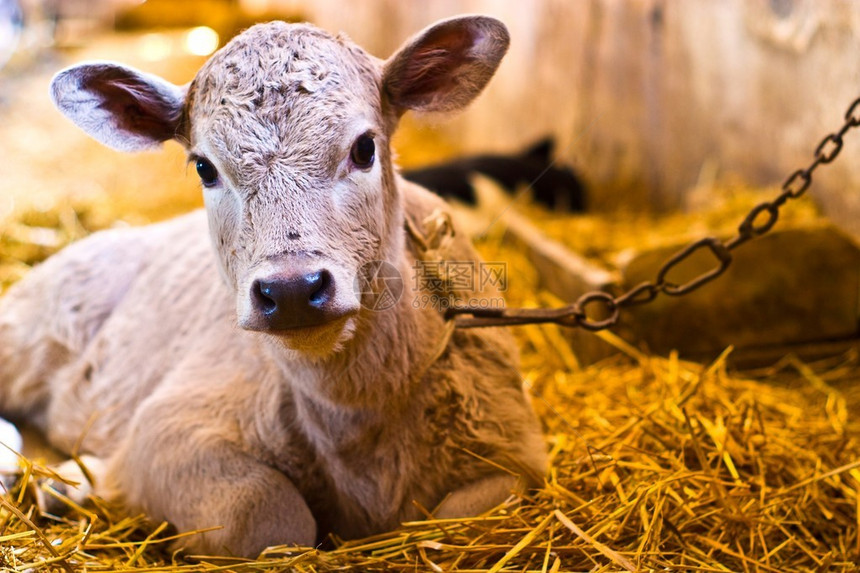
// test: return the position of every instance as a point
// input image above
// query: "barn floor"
(657, 463)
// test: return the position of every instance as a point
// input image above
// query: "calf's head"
(289, 129)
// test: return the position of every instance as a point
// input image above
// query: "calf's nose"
(295, 300)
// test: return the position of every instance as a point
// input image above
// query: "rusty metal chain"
(581, 313)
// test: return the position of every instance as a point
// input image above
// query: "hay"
(657, 463)
(609, 240)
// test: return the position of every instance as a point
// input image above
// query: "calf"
(252, 386)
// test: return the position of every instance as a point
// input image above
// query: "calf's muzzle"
(295, 300)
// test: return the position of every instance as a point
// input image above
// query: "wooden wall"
(648, 96)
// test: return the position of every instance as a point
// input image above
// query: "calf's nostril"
(264, 297)
(322, 288)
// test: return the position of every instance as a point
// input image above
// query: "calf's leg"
(477, 497)
(192, 471)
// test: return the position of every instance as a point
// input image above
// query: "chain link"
(758, 221)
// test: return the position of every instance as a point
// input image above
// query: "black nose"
(295, 301)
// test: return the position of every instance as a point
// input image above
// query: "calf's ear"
(446, 66)
(119, 106)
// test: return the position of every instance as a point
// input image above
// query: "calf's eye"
(363, 151)
(207, 172)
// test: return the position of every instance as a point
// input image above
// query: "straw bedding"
(657, 464)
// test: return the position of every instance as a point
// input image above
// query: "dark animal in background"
(556, 187)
